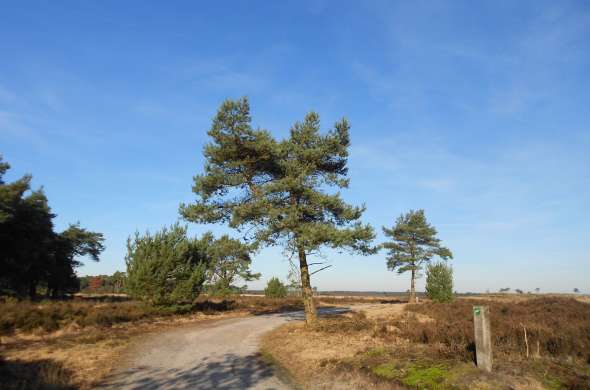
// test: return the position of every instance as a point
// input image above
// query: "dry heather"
(49, 316)
(73, 343)
(555, 327)
(105, 311)
(431, 346)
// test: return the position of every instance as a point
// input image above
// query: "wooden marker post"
(483, 337)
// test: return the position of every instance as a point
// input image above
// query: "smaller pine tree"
(439, 282)
(275, 289)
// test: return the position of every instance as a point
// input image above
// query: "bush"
(166, 268)
(275, 289)
(439, 282)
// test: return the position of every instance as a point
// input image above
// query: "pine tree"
(414, 245)
(277, 191)
(229, 261)
(275, 289)
(439, 282)
(167, 267)
(31, 253)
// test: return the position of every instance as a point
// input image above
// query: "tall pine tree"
(414, 244)
(277, 191)
(31, 253)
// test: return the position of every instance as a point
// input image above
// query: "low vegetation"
(431, 345)
(87, 335)
(555, 328)
(48, 316)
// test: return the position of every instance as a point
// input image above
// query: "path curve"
(221, 354)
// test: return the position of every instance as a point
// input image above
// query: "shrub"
(275, 288)
(357, 321)
(439, 282)
(168, 267)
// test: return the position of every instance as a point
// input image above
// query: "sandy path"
(219, 355)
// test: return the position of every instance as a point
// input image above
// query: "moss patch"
(426, 377)
(417, 376)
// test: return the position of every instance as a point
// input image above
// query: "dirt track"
(218, 355)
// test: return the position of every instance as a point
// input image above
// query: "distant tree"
(114, 283)
(576, 290)
(84, 282)
(278, 190)
(229, 261)
(506, 289)
(166, 267)
(413, 245)
(439, 282)
(95, 283)
(118, 281)
(537, 290)
(519, 291)
(72, 243)
(275, 289)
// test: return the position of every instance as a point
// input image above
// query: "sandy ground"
(218, 355)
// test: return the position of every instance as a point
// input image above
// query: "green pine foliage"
(33, 257)
(280, 192)
(413, 245)
(275, 289)
(439, 282)
(229, 262)
(167, 267)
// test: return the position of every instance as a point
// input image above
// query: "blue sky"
(476, 112)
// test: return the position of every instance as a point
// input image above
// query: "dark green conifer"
(276, 192)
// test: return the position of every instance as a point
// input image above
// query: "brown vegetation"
(431, 345)
(74, 343)
(108, 310)
(555, 327)
(33, 375)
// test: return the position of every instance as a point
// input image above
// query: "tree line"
(33, 256)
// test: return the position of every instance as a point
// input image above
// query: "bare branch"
(321, 269)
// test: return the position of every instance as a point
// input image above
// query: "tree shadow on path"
(229, 371)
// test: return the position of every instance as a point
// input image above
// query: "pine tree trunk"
(413, 287)
(306, 291)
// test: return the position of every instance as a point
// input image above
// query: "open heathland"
(431, 346)
(74, 343)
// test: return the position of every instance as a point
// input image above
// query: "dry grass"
(555, 327)
(431, 346)
(108, 310)
(85, 355)
(313, 358)
(74, 343)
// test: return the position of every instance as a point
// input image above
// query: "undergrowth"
(431, 345)
(50, 315)
(555, 327)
